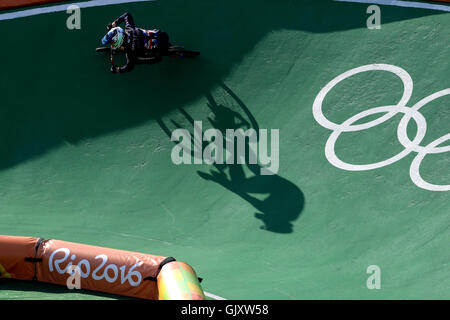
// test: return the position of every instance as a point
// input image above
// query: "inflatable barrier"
(100, 269)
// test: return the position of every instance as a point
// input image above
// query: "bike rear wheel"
(103, 49)
(177, 51)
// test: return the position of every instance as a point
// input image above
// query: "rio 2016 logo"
(388, 112)
(110, 272)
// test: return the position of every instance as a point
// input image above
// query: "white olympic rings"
(389, 112)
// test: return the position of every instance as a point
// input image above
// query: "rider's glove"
(115, 69)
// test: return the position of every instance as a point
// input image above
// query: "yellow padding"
(3, 273)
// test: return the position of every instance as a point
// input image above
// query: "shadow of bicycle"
(278, 201)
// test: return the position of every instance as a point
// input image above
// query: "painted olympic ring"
(388, 112)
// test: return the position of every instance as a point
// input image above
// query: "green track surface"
(85, 154)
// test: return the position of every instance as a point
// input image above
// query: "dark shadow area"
(279, 202)
(56, 90)
(32, 286)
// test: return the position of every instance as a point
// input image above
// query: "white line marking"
(406, 4)
(210, 295)
(62, 7)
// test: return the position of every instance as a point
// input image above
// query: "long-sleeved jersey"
(138, 42)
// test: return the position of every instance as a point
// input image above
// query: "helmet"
(114, 37)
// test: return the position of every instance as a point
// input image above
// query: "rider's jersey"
(137, 41)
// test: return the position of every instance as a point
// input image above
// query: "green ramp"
(86, 155)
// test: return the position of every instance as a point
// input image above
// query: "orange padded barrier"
(100, 269)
